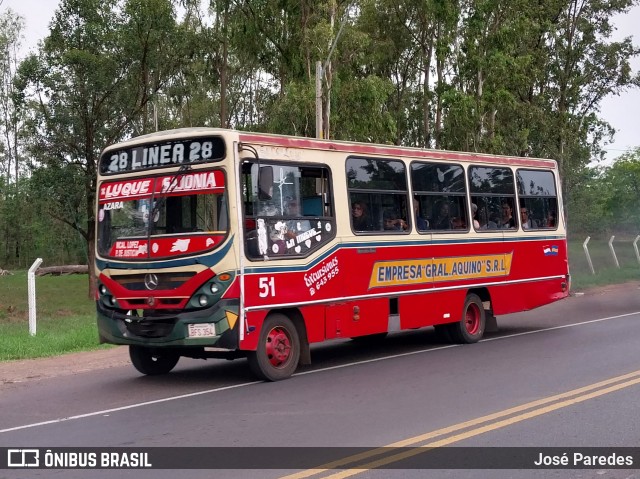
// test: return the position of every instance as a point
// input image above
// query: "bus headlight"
(214, 288)
(202, 300)
(102, 289)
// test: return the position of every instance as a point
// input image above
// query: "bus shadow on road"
(344, 351)
(338, 352)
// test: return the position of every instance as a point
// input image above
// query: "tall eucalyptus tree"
(89, 86)
(11, 166)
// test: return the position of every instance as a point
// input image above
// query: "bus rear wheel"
(151, 361)
(470, 328)
(278, 350)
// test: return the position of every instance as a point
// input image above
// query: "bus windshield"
(161, 216)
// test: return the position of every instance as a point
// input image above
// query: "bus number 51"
(267, 287)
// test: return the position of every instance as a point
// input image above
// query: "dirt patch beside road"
(72, 363)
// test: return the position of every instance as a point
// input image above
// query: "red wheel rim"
(472, 319)
(278, 346)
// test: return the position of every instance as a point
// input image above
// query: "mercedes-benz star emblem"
(151, 281)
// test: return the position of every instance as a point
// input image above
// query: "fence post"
(635, 247)
(613, 252)
(31, 290)
(586, 252)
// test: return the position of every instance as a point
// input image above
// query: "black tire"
(151, 361)
(278, 350)
(470, 328)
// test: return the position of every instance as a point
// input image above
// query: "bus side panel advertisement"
(353, 272)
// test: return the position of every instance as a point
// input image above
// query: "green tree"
(90, 86)
(588, 211)
(532, 77)
(622, 199)
(11, 166)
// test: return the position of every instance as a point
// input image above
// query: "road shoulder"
(64, 365)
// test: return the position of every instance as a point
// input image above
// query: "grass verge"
(606, 271)
(66, 319)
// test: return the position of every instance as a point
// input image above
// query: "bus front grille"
(166, 281)
(157, 328)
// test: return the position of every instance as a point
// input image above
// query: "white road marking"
(124, 408)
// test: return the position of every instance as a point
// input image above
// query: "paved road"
(565, 375)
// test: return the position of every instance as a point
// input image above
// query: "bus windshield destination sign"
(159, 154)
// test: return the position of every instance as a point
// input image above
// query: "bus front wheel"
(470, 328)
(151, 361)
(278, 350)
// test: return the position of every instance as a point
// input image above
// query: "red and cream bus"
(220, 243)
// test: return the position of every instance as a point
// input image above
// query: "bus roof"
(343, 146)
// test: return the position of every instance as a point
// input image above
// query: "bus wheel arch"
(491, 324)
(296, 317)
(279, 348)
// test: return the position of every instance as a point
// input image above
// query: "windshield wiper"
(163, 199)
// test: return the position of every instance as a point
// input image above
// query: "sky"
(620, 111)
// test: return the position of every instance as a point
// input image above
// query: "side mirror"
(265, 183)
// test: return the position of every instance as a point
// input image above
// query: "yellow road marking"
(480, 430)
(580, 393)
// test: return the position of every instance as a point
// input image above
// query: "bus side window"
(296, 220)
(442, 190)
(379, 184)
(492, 188)
(538, 198)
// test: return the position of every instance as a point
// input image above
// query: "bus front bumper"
(216, 326)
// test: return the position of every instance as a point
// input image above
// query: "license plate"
(202, 330)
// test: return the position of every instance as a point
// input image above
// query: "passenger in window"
(485, 222)
(494, 217)
(442, 219)
(550, 221)
(268, 209)
(474, 215)
(421, 223)
(527, 222)
(507, 220)
(458, 223)
(393, 223)
(295, 226)
(360, 217)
